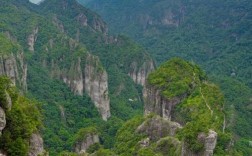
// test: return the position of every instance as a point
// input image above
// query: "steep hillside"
(82, 76)
(215, 34)
(20, 122)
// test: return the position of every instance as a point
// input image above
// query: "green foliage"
(6, 46)
(84, 132)
(176, 77)
(104, 152)
(215, 34)
(23, 119)
(127, 138)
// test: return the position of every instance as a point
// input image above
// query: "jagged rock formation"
(96, 85)
(36, 146)
(157, 127)
(2, 120)
(87, 76)
(139, 72)
(83, 145)
(32, 39)
(14, 67)
(179, 83)
(156, 103)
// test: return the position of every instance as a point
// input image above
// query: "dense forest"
(71, 85)
(214, 34)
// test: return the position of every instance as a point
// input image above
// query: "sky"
(35, 1)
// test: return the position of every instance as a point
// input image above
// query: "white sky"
(35, 1)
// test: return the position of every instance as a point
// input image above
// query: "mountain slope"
(214, 34)
(80, 74)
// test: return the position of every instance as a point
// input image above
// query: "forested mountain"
(65, 59)
(69, 87)
(215, 34)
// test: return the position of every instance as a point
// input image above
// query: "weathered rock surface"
(157, 127)
(139, 73)
(96, 85)
(36, 146)
(154, 102)
(83, 145)
(15, 68)
(87, 76)
(32, 39)
(2, 120)
(209, 142)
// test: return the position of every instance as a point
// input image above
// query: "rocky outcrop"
(87, 76)
(96, 85)
(209, 142)
(157, 127)
(14, 67)
(139, 72)
(36, 146)
(32, 39)
(83, 145)
(2, 120)
(82, 19)
(154, 102)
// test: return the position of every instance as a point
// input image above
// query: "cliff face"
(83, 145)
(139, 72)
(32, 39)
(96, 85)
(83, 75)
(14, 67)
(156, 103)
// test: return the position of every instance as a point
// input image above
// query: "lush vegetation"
(22, 117)
(215, 34)
(56, 52)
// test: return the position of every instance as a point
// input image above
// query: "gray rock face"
(155, 103)
(83, 145)
(157, 127)
(15, 68)
(210, 143)
(32, 39)
(36, 145)
(139, 73)
(96, 85)
(2, 120)
(90, 77)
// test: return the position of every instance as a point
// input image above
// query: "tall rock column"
(96, 85)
